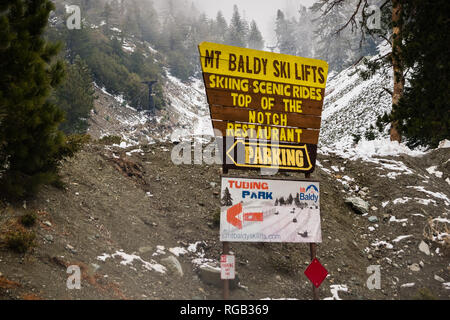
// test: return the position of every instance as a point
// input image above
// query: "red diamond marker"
(316, 273)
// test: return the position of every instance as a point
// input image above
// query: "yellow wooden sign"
(248, 63)
(270, 102)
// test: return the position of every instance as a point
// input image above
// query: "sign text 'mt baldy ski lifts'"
(270, 103)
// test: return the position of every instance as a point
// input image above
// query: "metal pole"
(313, 252)
(224, 155)
(226, 282)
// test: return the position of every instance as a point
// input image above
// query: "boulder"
(414, 267)
(172, 263)
(358, 205)
(424, 248)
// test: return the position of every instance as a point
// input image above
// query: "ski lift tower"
(151, 102)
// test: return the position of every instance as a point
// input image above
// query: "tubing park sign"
(270, 104)
(270, 210)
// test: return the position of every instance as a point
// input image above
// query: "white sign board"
(227, 267)
(269, 210)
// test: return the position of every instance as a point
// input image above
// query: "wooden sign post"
(268, 106)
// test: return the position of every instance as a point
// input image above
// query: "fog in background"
(262, 11)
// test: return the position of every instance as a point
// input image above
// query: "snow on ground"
(373, 152)
(432, 170)
(152, 50)
(385, 244)
(437, 195)
(370, 150)
(128, 47)
(193, 246)
(394, 219)
(178, 251)
(444, 144)
(399, 238)
(127, 259)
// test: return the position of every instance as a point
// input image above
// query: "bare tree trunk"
(399, 80)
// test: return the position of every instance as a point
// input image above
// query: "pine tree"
(290, 199)
(114, 14)
(76, 97)
(76, 42)
(107, 14)
(34, 146)
(284, 31)
(148, 21)
(303, 33)
(297, 200)
(226, 199)
(422, 113)
(220, 28)
(255, 39)
(236, 35)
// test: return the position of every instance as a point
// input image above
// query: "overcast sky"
(262, 11)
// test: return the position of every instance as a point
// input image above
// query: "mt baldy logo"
(311, 193)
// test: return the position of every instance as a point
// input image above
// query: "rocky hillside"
(141, 227)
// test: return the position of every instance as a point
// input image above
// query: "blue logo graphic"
(310, 194)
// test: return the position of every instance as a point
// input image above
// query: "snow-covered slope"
(352, 104)
(188, 102)
(187, 114)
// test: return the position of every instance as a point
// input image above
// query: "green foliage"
(237, 30)
(370, 134)
(59, 183)
(179, 66)
(20, 240)
(28, 219)
(255, 39)
(109, 140)
(33, 145)
(119, 72)
(73, 144)
(423, 111)
(356, 138)
(372, 67)
(423, 114)
(76, 97)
